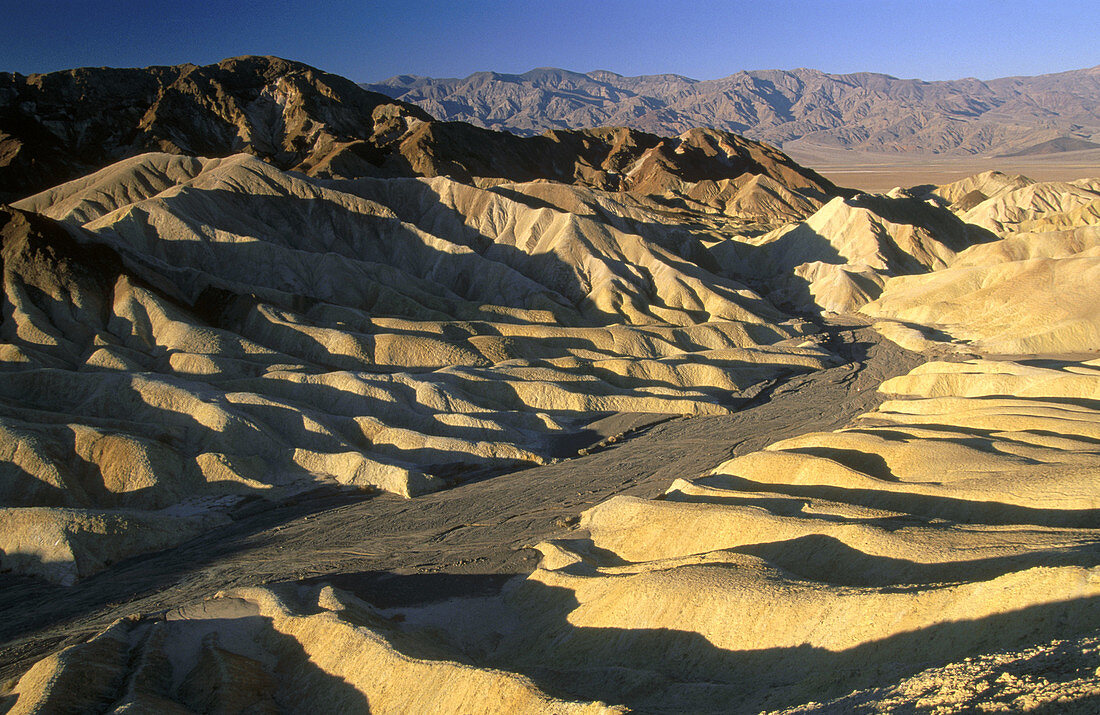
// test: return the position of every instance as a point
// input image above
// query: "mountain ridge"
(861, 110)
(60, 126)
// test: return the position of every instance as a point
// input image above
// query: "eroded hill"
(675, 428)
(258, 333)
(62, 125)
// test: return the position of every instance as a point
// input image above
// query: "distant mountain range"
(865, 111)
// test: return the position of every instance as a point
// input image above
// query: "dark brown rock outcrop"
(58, 126)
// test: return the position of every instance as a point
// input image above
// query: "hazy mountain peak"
(859, 110)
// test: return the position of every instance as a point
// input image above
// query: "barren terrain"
(312, 402)
(461, 542)
(858, 112)
(881, 172)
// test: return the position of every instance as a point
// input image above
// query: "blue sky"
(366, 41)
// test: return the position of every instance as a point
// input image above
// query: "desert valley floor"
(878, 173)
(310, 402)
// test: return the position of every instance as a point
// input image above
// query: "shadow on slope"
(146, 574)
(935, 507)
(668, 670)
(820, 265)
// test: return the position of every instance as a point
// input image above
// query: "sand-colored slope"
(586, 259)
(1035, 207)
(1031, 291)
(242, 331)
(839, 258)
(946, 535)
(1016, 204)
(934, 528)
(270, 219)
(121, 184)
(1030, 447)
(62, 545)
(256, 651)
(1028, 293)
(967, 193)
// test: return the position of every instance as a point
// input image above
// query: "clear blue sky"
(366, 41)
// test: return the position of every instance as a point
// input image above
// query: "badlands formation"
(313, 403)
